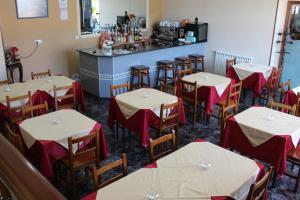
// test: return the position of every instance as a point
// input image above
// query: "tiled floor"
(98, 110)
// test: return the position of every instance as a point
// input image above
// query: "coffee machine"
(170, 31)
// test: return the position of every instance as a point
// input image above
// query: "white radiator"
(220, 61)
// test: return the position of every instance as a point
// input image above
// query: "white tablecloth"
(144, 98)
(259, 124)
(70, 124)
(179, 176)
(244, 70)
(43, 84)
(296, 90)
(210, 80)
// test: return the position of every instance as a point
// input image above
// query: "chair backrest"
(188, 90)
(14, 139)
(298, 105)
(15, 104)
(274, 82)
(258, 190)
(161, 144)
(5, 82)
(283, 107)
(119, 89)
(284, 88)
(167, 88)
(33, 111)
(229, 63)
(69, 97)
(86, 145)
(169, 115)
(185, 72)
(97, 173)
(40, 74)
(234, 93)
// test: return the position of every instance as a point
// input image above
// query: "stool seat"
(139, 67)
(196, 56)
(183, 59)
(165, 62)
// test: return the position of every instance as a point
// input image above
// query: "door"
(290, 51)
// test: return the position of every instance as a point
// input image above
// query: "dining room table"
(211, 88)
(41, 90)
(199, 170)
(263, 133)
(137, 110)
(254, 76)
(46, 136)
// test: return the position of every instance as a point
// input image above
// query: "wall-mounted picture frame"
(31, 9)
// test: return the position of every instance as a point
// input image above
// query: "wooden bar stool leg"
(157, 76)
(139, 80)
(166, 75)
(148, 76)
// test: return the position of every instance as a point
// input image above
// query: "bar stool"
(196, 60)
(139, 72)
(165, 66)
(184, 62)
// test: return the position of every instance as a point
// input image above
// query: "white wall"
(3, 75)
(242, 27)
(110, 9)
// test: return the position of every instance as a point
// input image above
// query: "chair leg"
(195, 113)
(72, 174)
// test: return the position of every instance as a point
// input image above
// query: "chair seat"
(223, 102)
(169, 124)
(165, 62)
(196, 56)
(295, 154)
(81, 160)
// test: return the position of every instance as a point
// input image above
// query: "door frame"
(286, 26)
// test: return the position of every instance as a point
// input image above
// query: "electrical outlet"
(38, 42)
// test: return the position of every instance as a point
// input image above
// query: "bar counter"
(98, 70)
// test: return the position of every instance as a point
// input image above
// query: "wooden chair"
(189, 93)
(88, 153)
(40, 74)
(167, 88)
(158, 143)
(15, 104)
(184, 72)
(119, 89)
(114, 91)
(294, 158)
(97, 173)
(69, 97)
(14, 139)
(229, 63)
(5, 82)
(271, 88)
(258, 190)
(230, 106)
(284, 88)
(169, 118)
(298, 105)
(33, 111)
(283, 107)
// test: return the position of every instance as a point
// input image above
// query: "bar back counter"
(99, 71)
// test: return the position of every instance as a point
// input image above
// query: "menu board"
(31, 8)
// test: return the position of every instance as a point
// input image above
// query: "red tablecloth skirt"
(273, 151)
(40, 97)
(290, 98)
(255, 82)
(46, 153)
(140, 121)
(207, 94)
